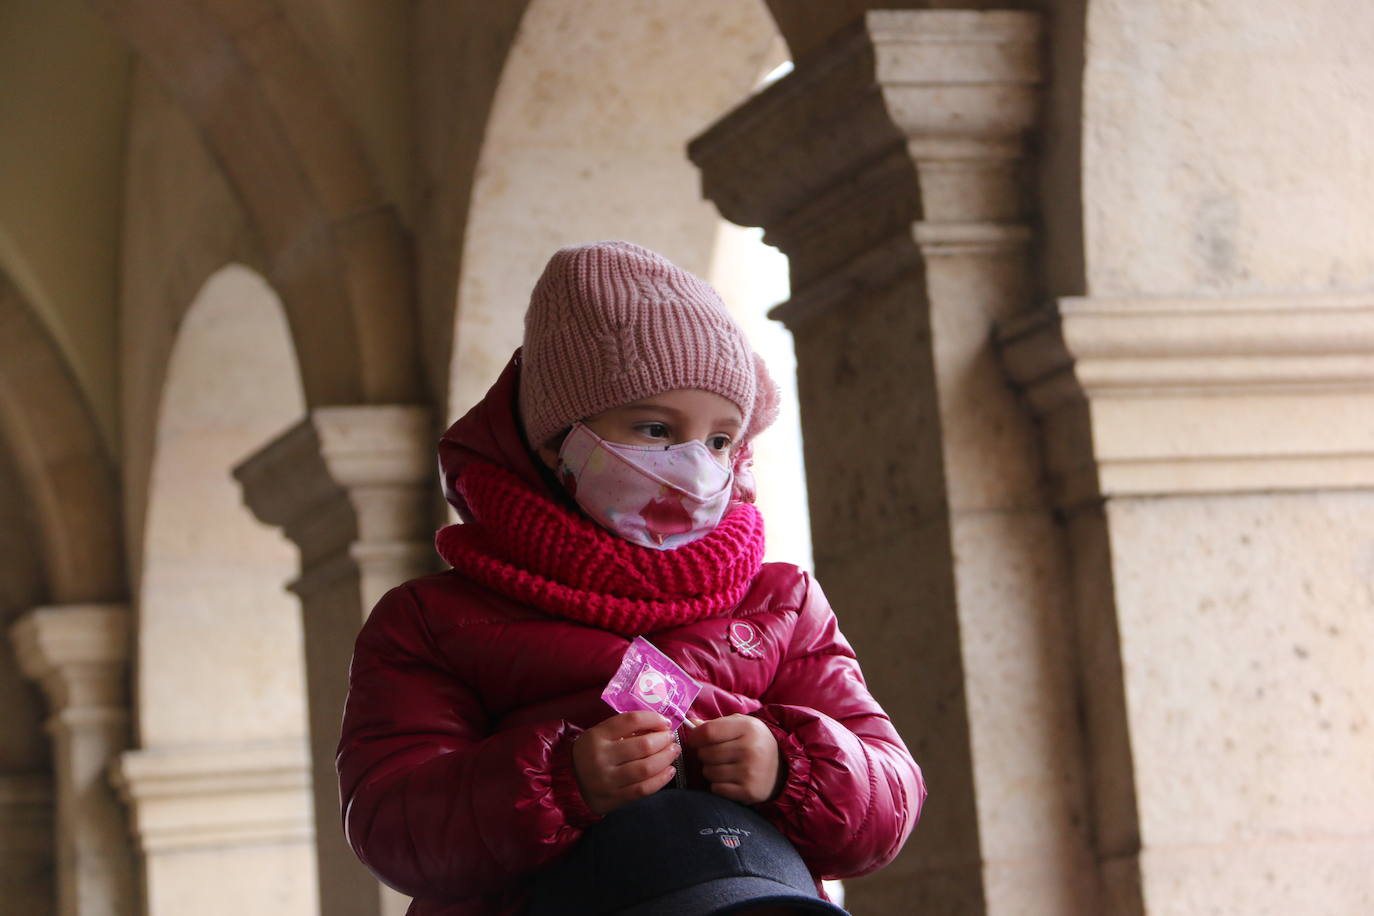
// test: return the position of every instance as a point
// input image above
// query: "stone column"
(1214, 457)
(79, 654)
(352, 487)
(888, 167)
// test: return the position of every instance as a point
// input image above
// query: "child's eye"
(719, 443)
(653, 430)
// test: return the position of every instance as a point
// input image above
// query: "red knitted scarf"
(530, 549)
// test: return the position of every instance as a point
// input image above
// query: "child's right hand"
(624, 758)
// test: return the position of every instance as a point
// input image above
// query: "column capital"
(907, 118)
(78, 653)
(337, 449)
(953, 84)
(343, 480)
(1156, 396)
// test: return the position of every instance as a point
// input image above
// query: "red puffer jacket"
(455, 764)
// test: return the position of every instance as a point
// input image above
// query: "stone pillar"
(1214, 458)
(888, 167)
(352, 487)
(79, 654)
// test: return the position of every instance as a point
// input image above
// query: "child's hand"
(626, 757)
(739, 756)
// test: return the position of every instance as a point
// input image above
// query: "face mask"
(655, 496)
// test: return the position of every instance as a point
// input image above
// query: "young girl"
(604, 488)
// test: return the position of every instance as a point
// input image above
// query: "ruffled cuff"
(796, 777)
(566, 792)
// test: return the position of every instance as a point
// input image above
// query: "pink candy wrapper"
(648, 679)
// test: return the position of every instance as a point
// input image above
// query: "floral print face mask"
(653, 495)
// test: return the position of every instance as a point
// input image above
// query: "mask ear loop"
(550, 475)
(742, 465)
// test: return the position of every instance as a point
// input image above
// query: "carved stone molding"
(214, 797)
(1206, 395)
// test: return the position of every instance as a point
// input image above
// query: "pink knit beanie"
(610, 323)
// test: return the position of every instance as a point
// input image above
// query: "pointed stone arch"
(69, 476)
(336, 249)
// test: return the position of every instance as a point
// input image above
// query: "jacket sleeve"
(852, 792)
(433, 804)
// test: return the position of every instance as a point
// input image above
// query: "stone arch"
(219, 786)
(586, 139)
(188, 225)
(58, 453)
(336, 249)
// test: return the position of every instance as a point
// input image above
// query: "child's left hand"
(739, 757)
